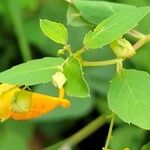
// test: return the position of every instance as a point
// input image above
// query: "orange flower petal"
(14, 103)
(5, 100)
(41, 104)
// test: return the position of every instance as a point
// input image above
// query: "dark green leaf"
(97, 11)
(129, 97)
(146, 147)
(114, 27)
(133, 136)
(76, 84)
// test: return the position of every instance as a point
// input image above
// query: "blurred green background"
(19, 33)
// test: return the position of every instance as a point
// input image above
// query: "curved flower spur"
(20, 104)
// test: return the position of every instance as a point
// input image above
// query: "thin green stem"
(109, 132)
(141, 42)
(15, 14)
(119, 66)
(68, 49)
(136, 34)
(86, 131)
(80, 51)
(101, 63)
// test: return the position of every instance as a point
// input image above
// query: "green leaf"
(114, 27)
(33, 72)
(97, 11)
(141, 59)
(146, 147)
(74, 17)
(55, 31)
(76, 84)
(133, 135)
(129, 97)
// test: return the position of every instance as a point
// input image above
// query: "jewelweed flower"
(20, 104)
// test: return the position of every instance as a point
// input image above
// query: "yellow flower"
(22, 105)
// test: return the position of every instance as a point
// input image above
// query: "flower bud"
(21, 102)
(122, 48)
(59, 79)
(61, 52)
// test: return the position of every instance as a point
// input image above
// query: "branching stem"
(141, 42)
(101, 63)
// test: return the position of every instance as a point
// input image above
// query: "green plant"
(128, 95)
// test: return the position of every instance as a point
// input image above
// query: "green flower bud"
(61, 52)
(59, 79)
(122, 48)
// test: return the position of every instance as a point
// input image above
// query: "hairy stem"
(101, 63)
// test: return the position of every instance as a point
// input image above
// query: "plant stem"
(136, 34)
(101, 63)
(86, 131)
(80, 51)
(15, 13)
(109, 132)
(141, 42)
(68, 49)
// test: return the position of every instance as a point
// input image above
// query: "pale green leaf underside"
(33, 72)
(76, 84)
(129, 97)
(97, 11)
(55, 31)
(114, 27)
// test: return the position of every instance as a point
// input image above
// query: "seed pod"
(122, 48)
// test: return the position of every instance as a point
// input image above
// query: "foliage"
(85, 50)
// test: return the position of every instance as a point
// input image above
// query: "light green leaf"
(133, 135)
(114, 27)
(76, 84)
(129, 97)
(33, 72)
(97, 11)
(55, 31)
